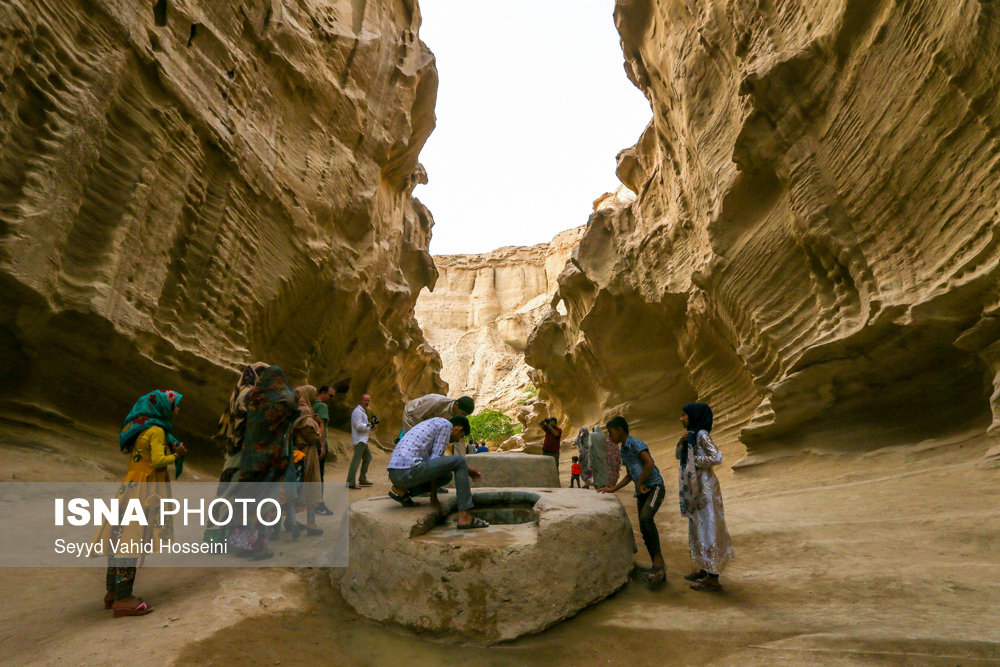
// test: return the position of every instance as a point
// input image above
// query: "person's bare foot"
(436, 504)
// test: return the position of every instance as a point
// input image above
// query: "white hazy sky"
(533, 105)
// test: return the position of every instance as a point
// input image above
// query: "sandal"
(140, 609)
(475, 523)
(364, 483)
(313, 531)
(405, 501)
(656, 575)
(706, 586)
(697, 575)
(262, 555)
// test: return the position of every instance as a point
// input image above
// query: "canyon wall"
(481, 311)
(188, 186)
(815, 245)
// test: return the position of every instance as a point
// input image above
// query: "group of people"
(419, 465)
(414, 412)
(276, 439)
(598, 464)
(700, 496)
(276, 445)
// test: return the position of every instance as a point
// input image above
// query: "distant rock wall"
(186, 186)
(481, 311)
(815, 245)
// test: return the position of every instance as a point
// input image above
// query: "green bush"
(492, 426)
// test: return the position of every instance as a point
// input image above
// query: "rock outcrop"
(481, 312)
(189, 186)
(507, 470)
(815, 247)
(491, 584)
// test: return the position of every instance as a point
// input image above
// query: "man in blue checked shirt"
(418, 465)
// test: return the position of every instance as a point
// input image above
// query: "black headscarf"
(699, 419)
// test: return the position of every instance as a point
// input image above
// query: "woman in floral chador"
(701, 499)
(266, 460)
(233, 422)
(147, 438)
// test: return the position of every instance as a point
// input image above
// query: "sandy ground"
(888, 558)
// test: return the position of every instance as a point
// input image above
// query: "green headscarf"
(154, 409)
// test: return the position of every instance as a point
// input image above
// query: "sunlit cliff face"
(813, 250)
(481, 311)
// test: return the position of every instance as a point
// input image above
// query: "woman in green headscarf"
(148, 440)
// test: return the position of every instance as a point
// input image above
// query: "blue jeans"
(424, 477)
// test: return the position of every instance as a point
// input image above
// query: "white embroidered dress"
(711, 547)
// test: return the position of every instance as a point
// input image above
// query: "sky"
(533, 105)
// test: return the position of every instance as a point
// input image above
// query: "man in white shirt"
(360, 432)
(418, 465)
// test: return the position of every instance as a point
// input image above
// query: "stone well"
(510, 470)
(555, 552)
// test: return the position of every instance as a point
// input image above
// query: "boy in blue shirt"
(639, 468)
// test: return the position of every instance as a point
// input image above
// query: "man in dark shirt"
(553, 438)
(323, 412)
(640, 469)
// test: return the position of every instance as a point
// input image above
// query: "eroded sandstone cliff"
(187, 186)
(815, 246)
(481, 311)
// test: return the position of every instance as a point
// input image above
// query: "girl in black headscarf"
(701, 498)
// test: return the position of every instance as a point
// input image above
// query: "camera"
(372, 421)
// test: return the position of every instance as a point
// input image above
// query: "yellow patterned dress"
(148, 480)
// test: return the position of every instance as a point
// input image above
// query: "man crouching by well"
(418, 466)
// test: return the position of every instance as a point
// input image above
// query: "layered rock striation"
(481, 312)
(815, 247)
(189, 186)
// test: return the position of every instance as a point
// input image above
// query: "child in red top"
(576, 470)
